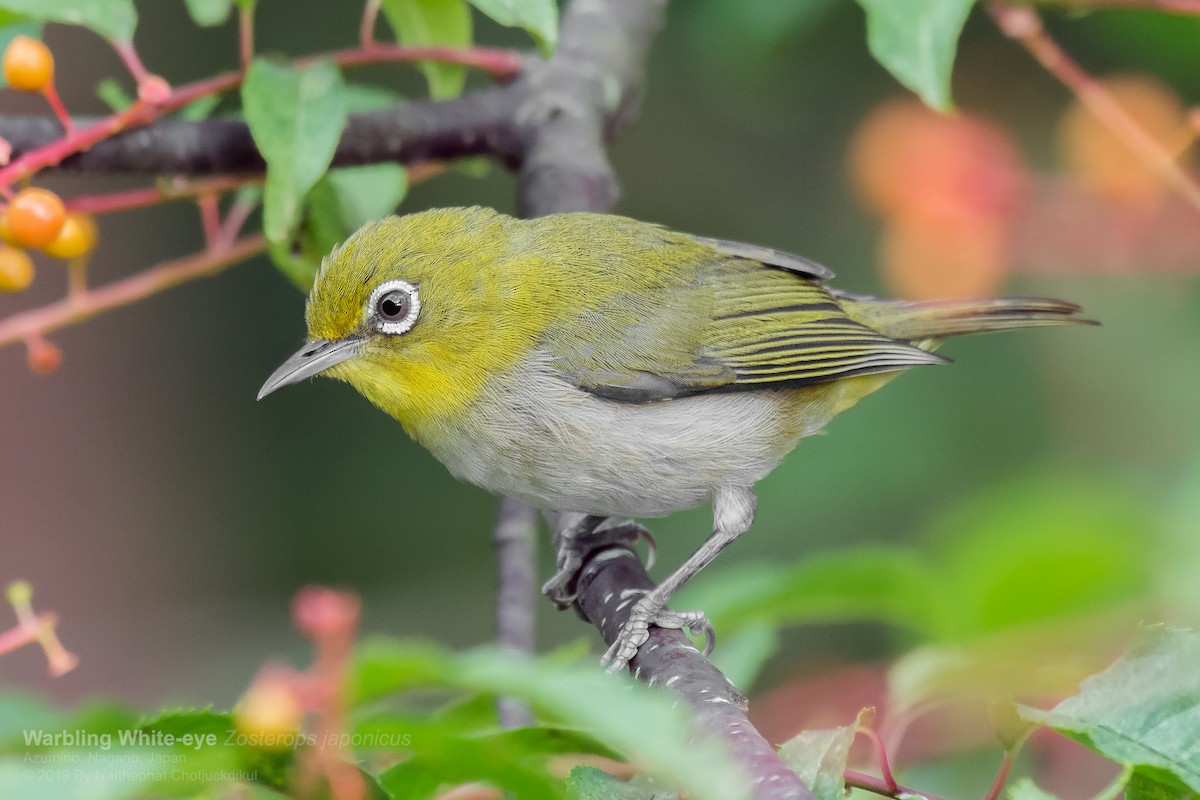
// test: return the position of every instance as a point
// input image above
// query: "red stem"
(176, 189)
(1025, 26)
(860, 780)
(366, 29)
(210, 217)
(1001, 776)
(132, 61)
(246, 35)
(128, 290)
(881, 755)
(56, 105)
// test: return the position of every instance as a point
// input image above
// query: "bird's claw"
(589, 533)
(569, 562)
(636, 631)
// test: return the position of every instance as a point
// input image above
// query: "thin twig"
(366, 29)
(69, 311)
(173, 189)
(131, 60)
(246, 34)
(514, 538)
(1023, 24)
(861, 780)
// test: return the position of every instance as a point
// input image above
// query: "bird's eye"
(394, 306)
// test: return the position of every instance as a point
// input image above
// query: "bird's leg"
(733, 511)
(575, 535)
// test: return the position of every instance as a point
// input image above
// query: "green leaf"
(819, 757)
(1026, 789)
(445, 23)
(883, 584)
(624, 716)
(1143, 787)
(742, 655)
(207, 13)
(112, 19)
(296, 116)
(916, 40)
(589, 783)
(200, 108)
(539, 18)
(1143, 711)
(113, 94)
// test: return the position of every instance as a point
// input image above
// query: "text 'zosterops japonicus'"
(598, 365)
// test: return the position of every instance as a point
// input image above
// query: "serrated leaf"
(1144, 710)
(207, 13)
(589, 783)
(625, 716)
(445, 23)
(367, 193)
(819, 757)
(539, 18)
(916, 41)
(296, 116)
(113, 94)
(113, 19)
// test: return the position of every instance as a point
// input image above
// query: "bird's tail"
(918, 322)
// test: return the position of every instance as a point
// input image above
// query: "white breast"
(535, 437)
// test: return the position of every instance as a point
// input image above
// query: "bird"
(598, 367)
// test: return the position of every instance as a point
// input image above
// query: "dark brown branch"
(582, 97)
(474, 124)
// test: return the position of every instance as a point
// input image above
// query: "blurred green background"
(168, 518)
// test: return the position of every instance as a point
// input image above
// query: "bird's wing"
(731, 322)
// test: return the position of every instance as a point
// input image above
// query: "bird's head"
(416, 312)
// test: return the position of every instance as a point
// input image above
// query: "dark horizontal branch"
(478, 123)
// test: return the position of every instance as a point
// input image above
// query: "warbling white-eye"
(599, 365)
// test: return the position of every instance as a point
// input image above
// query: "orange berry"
(16, 269)
(35, 216)
(76, 238)
(43, 358)
(28, 64)
(6, 233)
(1102, 160)
(907, 159)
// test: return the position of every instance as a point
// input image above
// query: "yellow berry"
(269, 715)
(76, 238)
(6, 233)
(16, 269)
(35, 216)
(28, 64)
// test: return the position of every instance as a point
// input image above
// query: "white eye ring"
(394, 306)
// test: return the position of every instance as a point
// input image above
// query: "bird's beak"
(315, 357)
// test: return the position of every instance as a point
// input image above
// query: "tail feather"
(918, 321)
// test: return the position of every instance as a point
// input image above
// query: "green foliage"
(1143, 711)
(1025, 789)
(819, 757)
(445, 23)
(114, 19)
(916, 41)
(538, 17)
(296, 116)
(589, 783)
(209, 12)
(113, 94)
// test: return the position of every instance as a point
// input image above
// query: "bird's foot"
(585, 535)
(651, 610)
